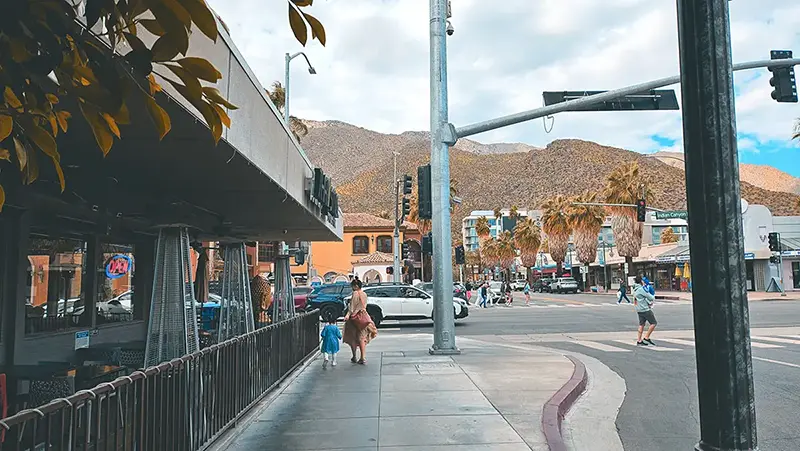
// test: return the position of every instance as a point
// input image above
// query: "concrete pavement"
(491, 397)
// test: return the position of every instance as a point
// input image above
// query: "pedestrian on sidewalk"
(623, 292)
(643, 304)
(359, 329)
(527, 291)
(330, 342)
(484, 294)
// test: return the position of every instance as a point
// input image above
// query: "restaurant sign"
(118, 265)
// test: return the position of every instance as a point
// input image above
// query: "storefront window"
(115, 275)
(54, 298)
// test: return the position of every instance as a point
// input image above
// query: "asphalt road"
(660, 409)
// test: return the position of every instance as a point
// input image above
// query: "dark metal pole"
(721, 319)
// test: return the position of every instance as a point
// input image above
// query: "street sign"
(675, 214)
(654, 99)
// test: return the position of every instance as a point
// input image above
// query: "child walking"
(330, 342)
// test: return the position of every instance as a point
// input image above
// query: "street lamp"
(311, 71)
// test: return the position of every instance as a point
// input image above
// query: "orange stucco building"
(364, 234)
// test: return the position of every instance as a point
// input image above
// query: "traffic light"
(406, 207)
(641, 210)
(300, 257)
(404, 251)
(390, 270)
(783, 80)
(427, 244)
(424, 192)
(774, 259)
(774, 241)
(460, 257)
(406, 185)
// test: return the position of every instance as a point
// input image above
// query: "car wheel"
(328, 313)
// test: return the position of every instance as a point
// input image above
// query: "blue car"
(329, 299)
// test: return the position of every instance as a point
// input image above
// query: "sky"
(374, 70)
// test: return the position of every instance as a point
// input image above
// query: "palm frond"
(796, 133)
(555, 218)
(625, 185)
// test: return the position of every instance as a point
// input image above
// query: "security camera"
(450, 29)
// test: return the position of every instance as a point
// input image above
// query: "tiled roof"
(377, 257)
(366, 220)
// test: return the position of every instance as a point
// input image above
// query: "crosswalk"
(570, 304)
(617, 343)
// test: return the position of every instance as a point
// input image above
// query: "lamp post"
(311, 71)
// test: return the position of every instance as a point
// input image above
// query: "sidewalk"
(751, 295)
(489, 398)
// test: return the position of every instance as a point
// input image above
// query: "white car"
(404, 302)
(564, 285)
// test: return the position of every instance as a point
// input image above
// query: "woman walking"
(358, 326)
(527, 291)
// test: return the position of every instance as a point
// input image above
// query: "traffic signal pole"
(721, 316)
(396, 241)
(444, 323)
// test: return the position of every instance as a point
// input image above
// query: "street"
(660, 409)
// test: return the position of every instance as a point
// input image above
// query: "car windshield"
(302, 290)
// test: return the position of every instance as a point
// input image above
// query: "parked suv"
(542, 285)
(564, 285)
(404, 302)
(329, 299)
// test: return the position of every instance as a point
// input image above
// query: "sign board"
(675, 214)
(654, 99)
(749, 256)
(790, 253)
(118, 265)
(82, 339)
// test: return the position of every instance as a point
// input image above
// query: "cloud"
(374, 70)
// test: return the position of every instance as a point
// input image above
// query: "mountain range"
(360, 162)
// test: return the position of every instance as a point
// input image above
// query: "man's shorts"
(647, 317)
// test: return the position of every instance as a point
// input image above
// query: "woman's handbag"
(361, 319)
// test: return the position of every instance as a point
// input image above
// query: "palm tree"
(668, 236)
(506, 253)
(796, 133)
(473, 259)
(482, 227)
(586, 221)
(528, 238)
(278, 97)
(555, 223)
(625, 185)
(490, 252)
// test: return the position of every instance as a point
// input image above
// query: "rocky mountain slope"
(762, 176)
(360, 163)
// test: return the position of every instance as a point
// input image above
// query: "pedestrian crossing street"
(667, 341)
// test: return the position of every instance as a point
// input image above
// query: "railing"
(181, 405)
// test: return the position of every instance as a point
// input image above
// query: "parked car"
(329, 299)
(564, 285)
(458, 290)
(518, 285)
(541, 285)
(404, 302)
(301, 297)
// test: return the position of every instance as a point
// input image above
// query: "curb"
(669, 298)
(554, 410)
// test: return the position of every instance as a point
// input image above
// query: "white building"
(470, 236)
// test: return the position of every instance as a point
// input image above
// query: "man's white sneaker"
(333, 363)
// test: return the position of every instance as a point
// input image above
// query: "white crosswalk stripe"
(599, 346)
(776, 340)
(678, 341)
(654, 348)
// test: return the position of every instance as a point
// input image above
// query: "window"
(55, 273)
(266, 252)
(116, 268)
(384, 244)
(360, 245)
(329, 290)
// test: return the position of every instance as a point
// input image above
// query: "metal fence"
(181, 405)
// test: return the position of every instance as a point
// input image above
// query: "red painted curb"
(554, 410)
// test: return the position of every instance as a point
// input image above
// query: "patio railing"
(181, 405)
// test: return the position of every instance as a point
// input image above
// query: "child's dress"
(330, 339)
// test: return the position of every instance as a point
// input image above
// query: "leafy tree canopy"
(57, 63)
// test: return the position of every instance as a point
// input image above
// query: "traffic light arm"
(451, 134)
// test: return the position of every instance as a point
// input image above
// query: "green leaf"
(317, 30)
(166, 47)
(11, 98)
(226, 120)
(202, 17)
(5, 154)
(22, 154)
(215, 96)
(180, 12)
(60, 172)
(2, 197)
(41, 138)
(99, 127)
(159, 116)
(153, 26)
(298, 25)
(212, 120)
(136, 44)
(201, 68)
(188, 79)
(6, 126)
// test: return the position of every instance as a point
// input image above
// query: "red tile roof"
(376, 257)
(368, 221)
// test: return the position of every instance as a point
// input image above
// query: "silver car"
(564, 285)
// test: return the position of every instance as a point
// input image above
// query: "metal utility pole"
(721, 318)
(396, 241)
(288, 59)
(444, 323)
